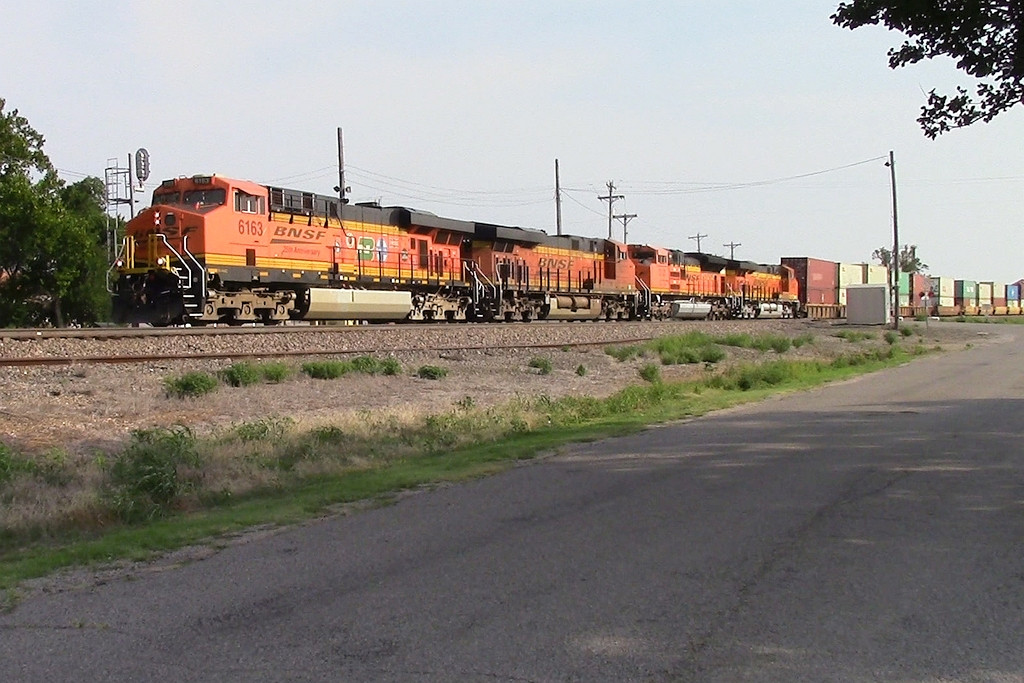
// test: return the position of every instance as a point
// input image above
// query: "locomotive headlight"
(161, 261)
(119, 263)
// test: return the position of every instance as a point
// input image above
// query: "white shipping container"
(984, 293)
(943, 287)
(876, 275)
(851, 274)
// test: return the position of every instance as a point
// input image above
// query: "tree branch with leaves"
(984, 37)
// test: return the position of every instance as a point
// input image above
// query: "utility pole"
(625, 218)
(558, 201)
(697, 237)
(611, 198)
(341, 189)
(732, 249)
(895, 261)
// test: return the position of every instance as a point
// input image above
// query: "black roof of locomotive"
(493, 232)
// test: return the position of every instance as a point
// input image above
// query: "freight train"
(211, 249)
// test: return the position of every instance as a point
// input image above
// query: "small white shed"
(868, 304)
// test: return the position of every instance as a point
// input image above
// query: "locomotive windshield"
(200, 198)
(166, 198)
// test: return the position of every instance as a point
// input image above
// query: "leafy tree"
(52, 264)
(909, 261)
(984, 37)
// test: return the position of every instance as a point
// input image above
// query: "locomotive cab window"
(166, 198)
(248, 203)
(201, 198)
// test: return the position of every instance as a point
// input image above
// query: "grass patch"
(650, 373)
(163, 490)
(541, 364)
(802, 340)
(854, 335)
(190, 385)
(241, 375)
(431, 372)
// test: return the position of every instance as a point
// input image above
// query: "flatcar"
(211, 249)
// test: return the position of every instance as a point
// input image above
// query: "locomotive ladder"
(191, 278)
(481, 283)
(645, 297)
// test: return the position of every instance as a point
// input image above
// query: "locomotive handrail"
(473, 268)
(645, 293)
(163, 238)
(199, 266)
(113, 265)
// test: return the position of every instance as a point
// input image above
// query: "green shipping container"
(904, 283)
(965, 292)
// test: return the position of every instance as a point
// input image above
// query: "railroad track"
(150, 358)
(25, 348)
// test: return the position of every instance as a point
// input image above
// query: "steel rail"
(31, 361)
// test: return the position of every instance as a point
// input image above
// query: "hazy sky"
(711, 117)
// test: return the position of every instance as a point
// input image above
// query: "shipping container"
(818, 279)
(999, 294)
(904, 283)
(1013, 293)
(849, 274)
(944, 287)
(984, 293)
(920, 285)
(876, 275)
(965, 293)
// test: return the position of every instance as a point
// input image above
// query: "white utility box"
(868, 305)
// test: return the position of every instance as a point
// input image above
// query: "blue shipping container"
(1012, 293)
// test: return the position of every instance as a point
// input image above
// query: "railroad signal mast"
(119, 190)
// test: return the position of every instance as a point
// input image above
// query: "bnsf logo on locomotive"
(299, 233)
(556, 263)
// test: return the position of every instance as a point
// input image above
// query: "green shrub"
(581, 370)
(803, 339)
(738, 339)
(241, 374)
(53, 468)
(624, 353)
(326, 369)
(853, 335)
(7, 464)
(651, 373)
(431, 372)
(543, 365)
(711, 354)
(190, 385)
(267, 428)
(274, 372)
(890, 337)
(390, 366)
(907, 331)
(149, 476)
(367, 365)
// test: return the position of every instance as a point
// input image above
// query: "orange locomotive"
(215, 250)
(696, 285)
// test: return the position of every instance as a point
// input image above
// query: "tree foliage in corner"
(984, 37)
(909, 261)
(52, 262)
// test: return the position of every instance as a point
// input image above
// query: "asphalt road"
(868, 531)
